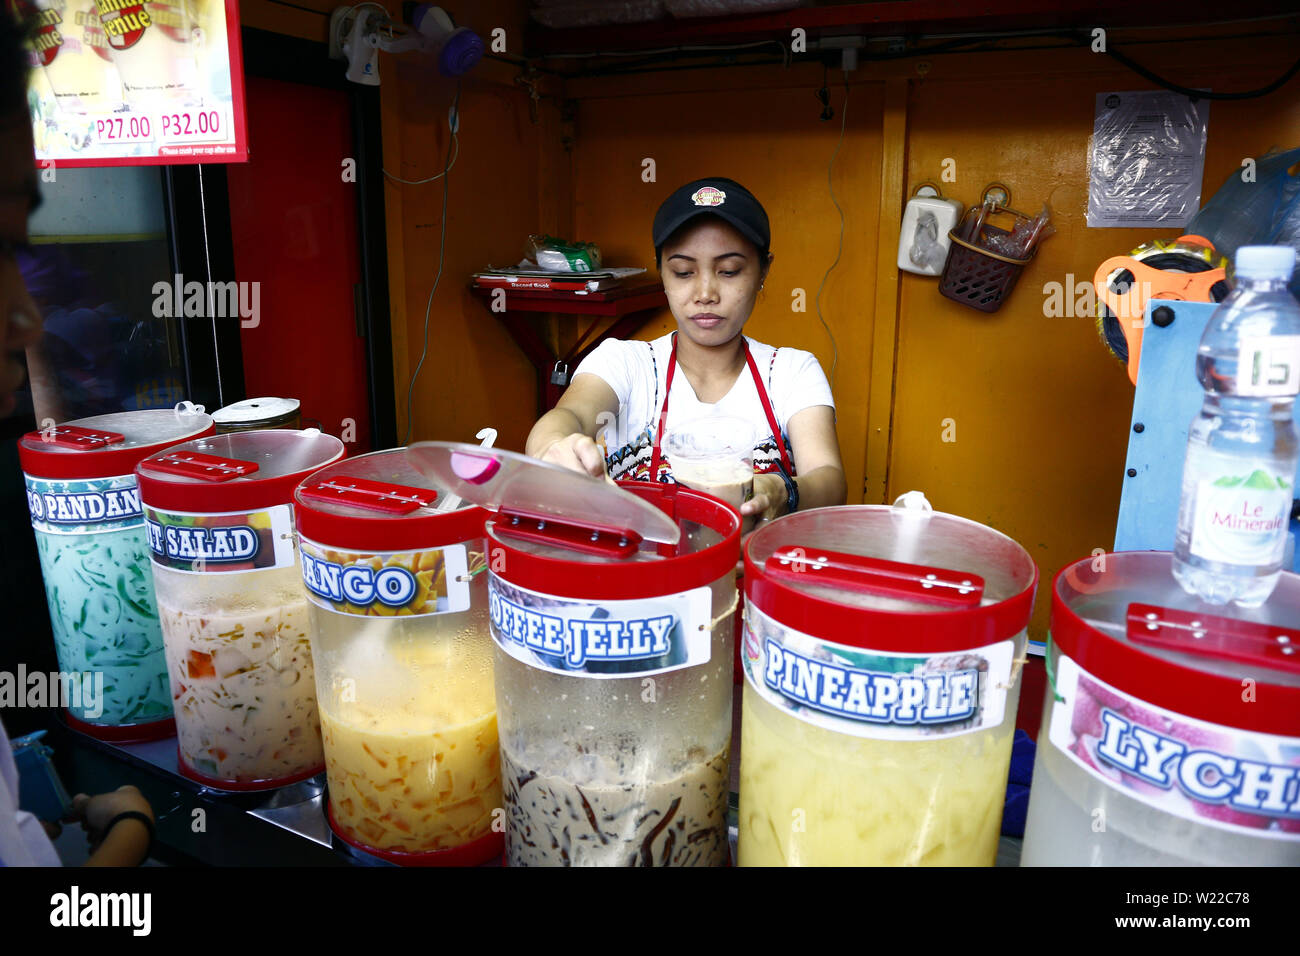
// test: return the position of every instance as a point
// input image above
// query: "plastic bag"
(1023, 238)
(927, 252)
(561, 255)
(1249, 213)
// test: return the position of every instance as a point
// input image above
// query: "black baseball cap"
(724, 198)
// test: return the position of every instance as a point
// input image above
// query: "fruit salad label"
(220, 543)
(84, 506)
(866, 693)
(601, 639)
(387, 583)
(1242, 519)
(1213, 775)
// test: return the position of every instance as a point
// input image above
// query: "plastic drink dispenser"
(232, 604)
(882, 655)
(399, 609)
(90, 535)
(611, 613)
(1171, 728)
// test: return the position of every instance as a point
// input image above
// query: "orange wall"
(473, 375)
(1041, 410)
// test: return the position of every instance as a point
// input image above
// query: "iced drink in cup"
(67, 43)
(715, 455)
(152, 43)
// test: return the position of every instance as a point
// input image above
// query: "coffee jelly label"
(85, 505)
(1217, 776)
(389, 583)
(867, 693)
(601, 639)
(220, 543)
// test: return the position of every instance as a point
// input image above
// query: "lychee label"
(1214, 775)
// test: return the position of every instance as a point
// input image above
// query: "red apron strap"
(767, 410)
(657, 454)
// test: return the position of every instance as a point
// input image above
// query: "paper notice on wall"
(1145, 159)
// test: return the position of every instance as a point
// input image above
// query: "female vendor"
(712, 242)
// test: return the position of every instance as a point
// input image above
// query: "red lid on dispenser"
(241, 471)
(105, 446)
(891, 579)
(571, 535)
(381, 502)
(1124, 619)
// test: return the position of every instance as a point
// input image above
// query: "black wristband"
(130, 815)
(791, 489)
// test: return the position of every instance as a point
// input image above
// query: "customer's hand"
(128, 847)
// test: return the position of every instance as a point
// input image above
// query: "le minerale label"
(84, 506)
(872, 694)
(1216, 776)
(220, 543)
(367, 583)
(601, 639)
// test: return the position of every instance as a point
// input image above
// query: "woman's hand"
(769, 498)
(576, 452)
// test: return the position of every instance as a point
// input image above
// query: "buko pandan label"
(1214, 775)
(386, 583)
(221, 543)
(868, 693)
(84, 506)
(601, 638)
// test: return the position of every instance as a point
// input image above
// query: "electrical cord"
(455, 140)
(844, 118)
(442, 249)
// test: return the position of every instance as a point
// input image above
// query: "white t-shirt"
(23, 841)
(638, 373)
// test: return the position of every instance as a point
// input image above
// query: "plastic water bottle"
(1242, 451)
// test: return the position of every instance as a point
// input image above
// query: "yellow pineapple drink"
(403, 657)
(870, 735)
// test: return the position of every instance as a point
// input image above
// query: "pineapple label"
(1242, 518)
(220, 543)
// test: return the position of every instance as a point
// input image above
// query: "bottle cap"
(1266, 262)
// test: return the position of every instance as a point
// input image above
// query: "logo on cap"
(709, 196)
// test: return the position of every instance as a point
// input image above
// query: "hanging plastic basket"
(978, 277)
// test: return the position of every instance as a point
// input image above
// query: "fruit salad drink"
(410, 731)
(244, 689)
(811, 797)
(598, 810)
(233, 606)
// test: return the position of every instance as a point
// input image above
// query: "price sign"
(121, 130)
(194, 125)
